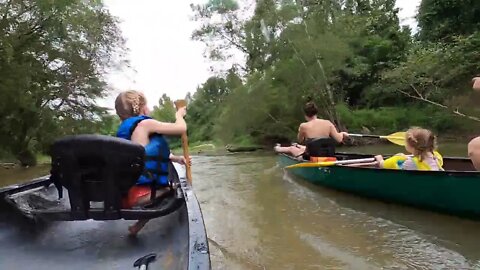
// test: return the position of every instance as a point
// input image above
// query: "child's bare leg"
(135, 228)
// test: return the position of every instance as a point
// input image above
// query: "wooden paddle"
(329, 163)
(180, 104)
(397, 138)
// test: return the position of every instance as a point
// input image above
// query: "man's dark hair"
(310, 109)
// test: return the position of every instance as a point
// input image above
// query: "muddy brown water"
(258, 217)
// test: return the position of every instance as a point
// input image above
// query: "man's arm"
(334, 134)
(301, 135)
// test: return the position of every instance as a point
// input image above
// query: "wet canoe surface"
(178, 239)
(451, 192)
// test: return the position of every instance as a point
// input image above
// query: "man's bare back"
(318, 128)
(312, 129)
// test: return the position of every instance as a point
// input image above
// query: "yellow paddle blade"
(397, 138)
(311, 164)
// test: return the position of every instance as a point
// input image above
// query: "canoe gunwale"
(199, 252)
(17, 188)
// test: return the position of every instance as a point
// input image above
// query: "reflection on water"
(258, 217)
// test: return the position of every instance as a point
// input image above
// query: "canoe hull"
(179, 239)
(450, 192)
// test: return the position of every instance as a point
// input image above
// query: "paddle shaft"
(397, 138)
(186, 154)
(369, 136)
(353, 161)
(180, 104)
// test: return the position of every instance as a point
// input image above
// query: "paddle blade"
(397, 138)
(180, 103)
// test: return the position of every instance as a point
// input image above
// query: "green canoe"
(454, 191)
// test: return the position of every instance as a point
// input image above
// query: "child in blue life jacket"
(421, 143)
(137, 126)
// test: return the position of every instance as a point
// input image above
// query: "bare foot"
(277, 147)
(135, 228)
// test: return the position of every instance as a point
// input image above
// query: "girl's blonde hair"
(423, 141)
(129, 103)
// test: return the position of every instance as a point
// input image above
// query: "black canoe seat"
(98, 171)
(321, 147)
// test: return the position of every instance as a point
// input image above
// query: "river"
(258, 217)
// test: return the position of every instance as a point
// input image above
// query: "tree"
(378, 43)
(221, 28)
(441, 20)
(165, 111)
(53, 56)
(351, 56)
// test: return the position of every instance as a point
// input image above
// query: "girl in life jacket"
(137, 126)
(421, 143)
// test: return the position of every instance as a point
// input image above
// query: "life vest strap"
(134, 126)
(149, 172)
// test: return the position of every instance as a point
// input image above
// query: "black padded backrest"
(321, 147)
(96, 168)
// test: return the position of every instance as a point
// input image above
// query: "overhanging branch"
(423, 99)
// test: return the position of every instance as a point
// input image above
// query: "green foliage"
(353, 53)
(108, 124)
(442, 20)
(165, 111)
(207, 104)
(52, 58)
(222, 6)
(432, 71)
(387, 120)
(380, 44)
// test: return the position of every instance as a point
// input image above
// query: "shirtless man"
(312, 129)
(474, 145)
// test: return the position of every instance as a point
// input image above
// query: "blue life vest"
(157, 152)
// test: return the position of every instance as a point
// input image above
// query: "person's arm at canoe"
(379, 160)
(180, 159)
(177, 128)
(301, 133)
(334, 134)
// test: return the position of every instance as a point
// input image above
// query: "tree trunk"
(27, 158)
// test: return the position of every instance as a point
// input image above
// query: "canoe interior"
(178, 239)
(449, 163)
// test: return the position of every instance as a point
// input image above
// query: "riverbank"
(449, 146)
(11, 162)
(216, 148)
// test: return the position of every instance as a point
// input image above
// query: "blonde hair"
(423, 141)
(129, 103)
